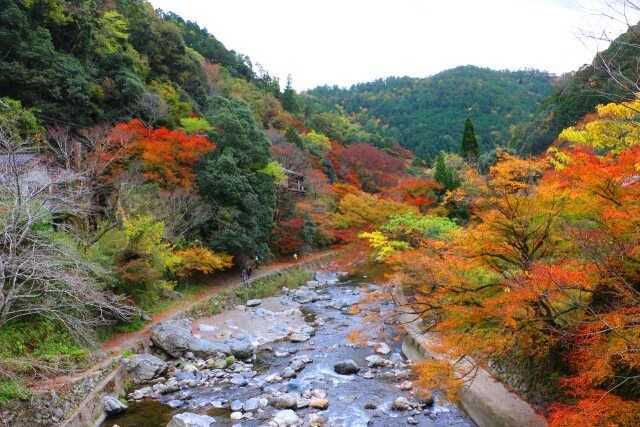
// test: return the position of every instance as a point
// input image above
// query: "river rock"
(144, 367)
(317, 394)
(172, 336)
(370, 405)
(316, 420)
(412, 421)
(369, 375)
(346, 367)
(302, 403)
(111, 405)
(383, 348)
(175, 403)
(287, 418)
(299, 337)
(239, 380)
(396, 358)
(252, 405)
(298, 386)
(285, 401)
(243, 349)
(319, 403)
(185, 376)
(426, 399)
(236, 416)
(297, 365)
(375, 361)
(303, 296)
(236, 405)
(288, 373)
(263, 312)
(304, 358)
(400, 404)
(253, 302)
(205, 349)
(189, 419)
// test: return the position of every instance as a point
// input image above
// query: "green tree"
(232, 179)
(469, 149)
(289, 98)
(444, 174)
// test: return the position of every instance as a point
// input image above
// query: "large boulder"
(189, 419)
(112, 406)
(204, 349)
(346, 367)
(144, 367)
(172, 336)
(243, 349)
(175, 338)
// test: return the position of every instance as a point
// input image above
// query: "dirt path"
(219, 282)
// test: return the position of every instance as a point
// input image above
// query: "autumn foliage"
(167, 156)
(546, 270)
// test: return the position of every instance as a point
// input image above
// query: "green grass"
(42, 339)
(12, 389)
(260, 288)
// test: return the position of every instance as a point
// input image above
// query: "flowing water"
(348, 395)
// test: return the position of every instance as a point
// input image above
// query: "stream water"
(348, 395)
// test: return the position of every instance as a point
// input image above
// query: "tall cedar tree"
(469, 149)
(229, 178)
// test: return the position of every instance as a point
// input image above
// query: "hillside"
(579, 93)
(143, 164)
(427, 115)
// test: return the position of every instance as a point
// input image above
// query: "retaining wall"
(486, 400)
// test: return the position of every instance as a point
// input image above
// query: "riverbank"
(58, 398)
(487, 401)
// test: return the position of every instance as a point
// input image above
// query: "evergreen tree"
(444, 174)
(230, 179)
(292, 136)
(469, 149)
(289, 98)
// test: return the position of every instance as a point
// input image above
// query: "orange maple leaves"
(166, 156)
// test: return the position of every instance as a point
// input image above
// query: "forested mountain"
(138, 155)
(611, 77)
(427, 115)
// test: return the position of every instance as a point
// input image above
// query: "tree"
(374, 168)
(444, 175)
(229, 179)
(41, 271)
(289, 98)
(167, 156)
(469, 149)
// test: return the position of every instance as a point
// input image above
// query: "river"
(362, 399)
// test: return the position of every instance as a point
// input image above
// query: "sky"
(344, 42)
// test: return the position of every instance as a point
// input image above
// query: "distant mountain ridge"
(427, 115)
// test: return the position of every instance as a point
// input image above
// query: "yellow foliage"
(199, 259)
(616, 128)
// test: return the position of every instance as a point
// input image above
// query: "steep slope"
(579, 93)
(427, 115)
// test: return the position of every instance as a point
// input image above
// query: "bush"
(11, 390)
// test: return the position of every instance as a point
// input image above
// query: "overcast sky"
(349, 41)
